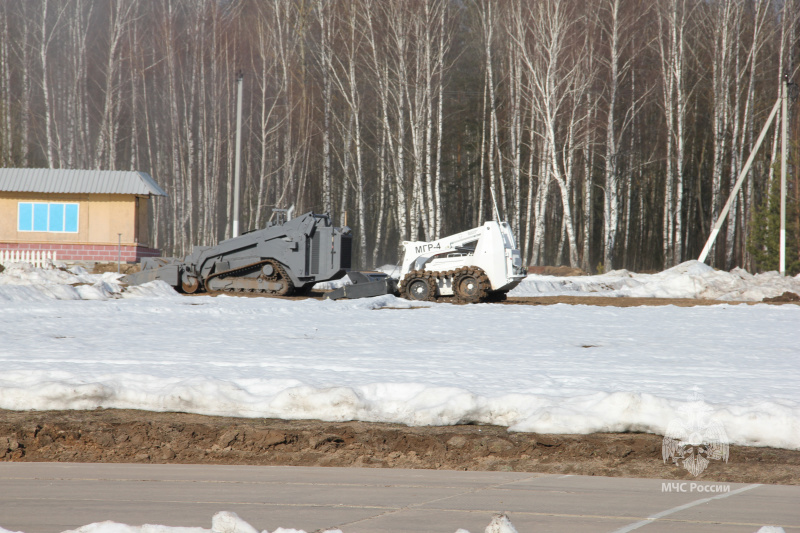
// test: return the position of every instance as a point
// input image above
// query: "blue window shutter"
(56, 217)
(71, 218)
(25, 221)
(40, 217)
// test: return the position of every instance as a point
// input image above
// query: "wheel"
(470, 286)
(419, 289)
(467, 288)
(418, 286)
(189, 284)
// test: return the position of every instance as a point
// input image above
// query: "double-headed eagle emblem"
(695, 440)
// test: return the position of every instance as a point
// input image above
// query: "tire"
(471, 285)
(419, 287)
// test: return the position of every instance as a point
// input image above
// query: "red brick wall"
(88, 252)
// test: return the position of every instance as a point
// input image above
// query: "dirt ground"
(116, 436)
(607, 301)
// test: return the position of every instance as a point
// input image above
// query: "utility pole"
(724, 213)
(238, 166)
(780, 103)
(784, 121)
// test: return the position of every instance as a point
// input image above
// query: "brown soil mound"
(116, 436)
(783, 298)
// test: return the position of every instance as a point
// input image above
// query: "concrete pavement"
(53, 497)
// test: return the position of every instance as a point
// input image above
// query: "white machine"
(477, 265)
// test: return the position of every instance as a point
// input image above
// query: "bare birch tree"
(553, 68)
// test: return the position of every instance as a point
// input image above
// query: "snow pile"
(228, 522)
(23, 282)
(385, 301)
(500, 524)
(222, 522)
(691, 279)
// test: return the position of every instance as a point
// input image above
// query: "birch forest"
(607, 132)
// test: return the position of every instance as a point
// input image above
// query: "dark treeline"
(609, 132)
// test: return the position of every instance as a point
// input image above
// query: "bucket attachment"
(153, 268)
(364, 285)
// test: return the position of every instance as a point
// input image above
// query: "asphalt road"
(54, 497)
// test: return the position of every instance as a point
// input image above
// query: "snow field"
(547, 369)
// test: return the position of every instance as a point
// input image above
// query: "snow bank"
(222, 522)
(228, 522)
(767, 423)
(22, 282)
(691, 279)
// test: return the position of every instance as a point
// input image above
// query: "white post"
(735, 191)
(238, 165)
(784, 121)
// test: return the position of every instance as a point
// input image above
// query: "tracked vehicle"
(287, 257)
(478, 265)
(290, 255)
